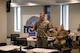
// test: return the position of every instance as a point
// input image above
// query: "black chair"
(68, 42)
(50, 44)
(21, 41)
(3, 44)
(13, 37)
(67, 50)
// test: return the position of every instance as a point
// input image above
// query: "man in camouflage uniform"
(42, 26)
(61, 36)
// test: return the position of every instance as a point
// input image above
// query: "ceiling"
(44, 2)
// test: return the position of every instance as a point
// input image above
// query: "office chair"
(68, 42)
(13, 37)
(21, 41)
(3, 44)
(67, 51)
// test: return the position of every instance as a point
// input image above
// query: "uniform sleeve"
(35, 26)
(48, 33)
(62, 33)
(65, 34)
(49, 26)
(55, 32)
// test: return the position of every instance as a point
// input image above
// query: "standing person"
(42, 26)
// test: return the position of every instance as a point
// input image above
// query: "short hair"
(42, 13)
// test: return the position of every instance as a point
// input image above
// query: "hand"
(60, 37)
(31, 29)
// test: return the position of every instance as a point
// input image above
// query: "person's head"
(42, 16)
(69, 31)
(62, 27)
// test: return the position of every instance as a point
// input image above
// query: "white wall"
(74, 19)
(3, 21)
(10, 22)
(31, 10)
(55, 17)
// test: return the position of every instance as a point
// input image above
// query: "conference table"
(35, 39)
(9, 48)
(32, 40)
(12, 49)
(43, 50)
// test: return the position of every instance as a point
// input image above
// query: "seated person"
(61, 37)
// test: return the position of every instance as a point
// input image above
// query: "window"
(47, 11)
(17, 15)
(64, 16)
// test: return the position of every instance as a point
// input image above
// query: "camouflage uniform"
(42, 27)
(61, 41)
(53, 33)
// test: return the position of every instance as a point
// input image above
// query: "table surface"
(32, 39)
(74, 34)
(9, 47)
(43, 50)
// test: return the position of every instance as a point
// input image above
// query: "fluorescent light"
(31, 4)
(28, 4)
(14, 5)
(74, 1)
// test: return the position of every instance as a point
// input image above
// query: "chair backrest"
(13, 36)
(67, 51)
(21, 41)
(3, 44)
(79, 40)
(68, 42)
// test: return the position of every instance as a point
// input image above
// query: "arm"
(35, 26)
(62, 34)
(49, 26)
